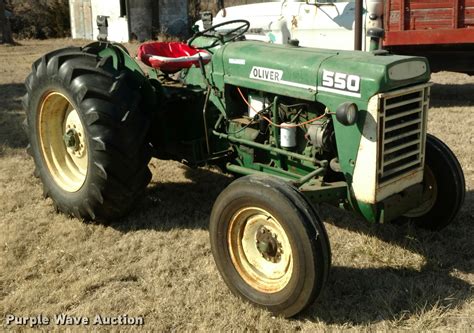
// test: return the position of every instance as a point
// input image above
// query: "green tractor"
(301, 126)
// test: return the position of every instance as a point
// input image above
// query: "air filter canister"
(288, 136)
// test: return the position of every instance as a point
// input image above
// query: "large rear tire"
(269, 245)
(444, 187)
(87, 134)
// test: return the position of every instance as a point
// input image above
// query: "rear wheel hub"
(71, 139)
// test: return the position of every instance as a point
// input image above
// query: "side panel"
(278, 69)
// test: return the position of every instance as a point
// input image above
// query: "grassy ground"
(157, 262)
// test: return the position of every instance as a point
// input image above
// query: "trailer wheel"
(269, 244)
(87, 134)
(444, 187)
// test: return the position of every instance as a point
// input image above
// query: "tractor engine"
(294, 125)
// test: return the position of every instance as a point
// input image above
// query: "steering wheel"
(241, 29)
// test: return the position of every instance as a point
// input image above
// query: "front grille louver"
(402, 131)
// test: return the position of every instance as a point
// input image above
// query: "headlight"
(346, 113)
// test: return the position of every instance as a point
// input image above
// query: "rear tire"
(269, 245)
(87, 134)
(444, 187)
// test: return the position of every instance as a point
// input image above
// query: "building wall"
(146, 17)
(173, 17)
(118, 25)
(140, 14)
(83, 19)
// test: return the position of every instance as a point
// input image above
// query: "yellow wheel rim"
(63, 141)
(260, 249)
(429, 197)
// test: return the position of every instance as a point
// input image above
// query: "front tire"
(269, 245)
(87, 134)
(444, 187)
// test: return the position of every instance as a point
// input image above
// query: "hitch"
(103, 26)
(206, 18)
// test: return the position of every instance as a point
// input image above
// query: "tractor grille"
(402, 132)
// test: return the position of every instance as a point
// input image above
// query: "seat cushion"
(170, 57)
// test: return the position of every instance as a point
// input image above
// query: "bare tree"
(5, 27)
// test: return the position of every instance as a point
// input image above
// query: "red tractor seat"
(170, 57)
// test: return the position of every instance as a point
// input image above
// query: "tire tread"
(119, 169)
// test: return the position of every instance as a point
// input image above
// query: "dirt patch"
(157, 263)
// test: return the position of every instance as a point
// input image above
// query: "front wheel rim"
(260, 249)
(429, 196)
(63, 141)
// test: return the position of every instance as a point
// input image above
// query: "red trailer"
(441, 30)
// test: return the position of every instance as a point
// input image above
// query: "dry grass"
(157, 262)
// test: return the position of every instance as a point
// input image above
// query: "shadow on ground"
(443, 95)
(11, 116)
(177, 205)
(448, 249)
(376, 294)
(388, 293)
(10, 95)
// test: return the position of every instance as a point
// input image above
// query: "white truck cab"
(324, 24)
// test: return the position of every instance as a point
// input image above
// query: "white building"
(128, 19)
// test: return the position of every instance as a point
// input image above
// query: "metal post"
(129, 22)
(358, 25)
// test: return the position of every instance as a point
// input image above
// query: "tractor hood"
(304, 72)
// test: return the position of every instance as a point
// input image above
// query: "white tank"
(288, 136)
(257, 104)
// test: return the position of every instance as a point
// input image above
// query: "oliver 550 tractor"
(302, 126)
